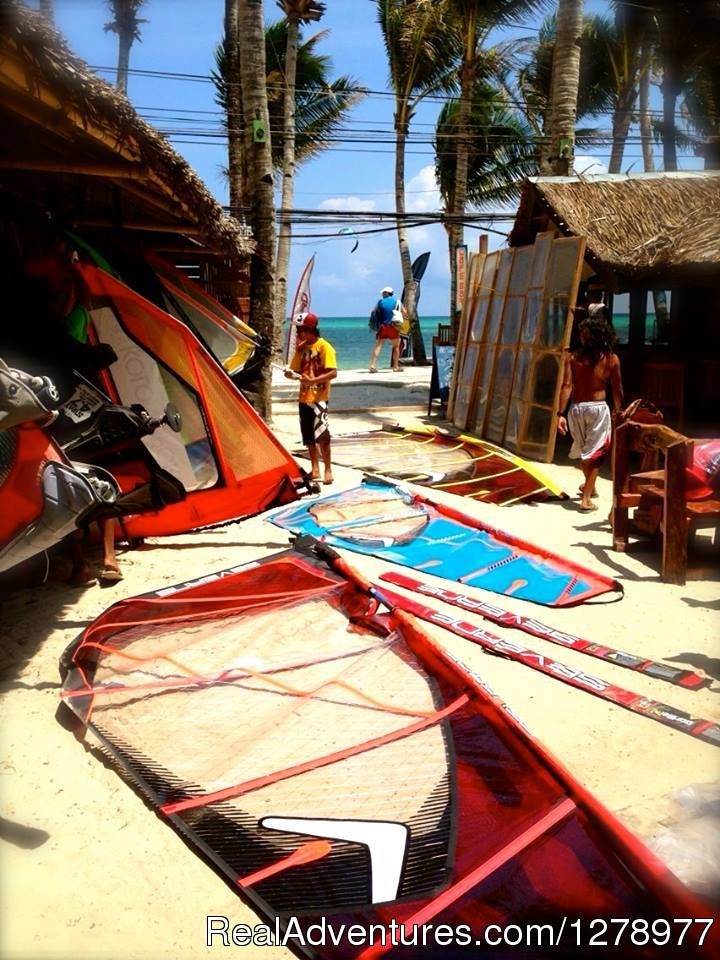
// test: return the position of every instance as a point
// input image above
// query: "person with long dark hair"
(588, 372)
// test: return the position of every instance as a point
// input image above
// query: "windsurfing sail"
(226, 458)
(226, 336)
(504, 618)
(464, 465)
(387, 521)
(300, 304)
(418, 268)
(333, 762)
(698, 727)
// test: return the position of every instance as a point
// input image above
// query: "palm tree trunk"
(622, 118)
(558, 152)
(670, 90)
(401, 128)
(262, 211)
(233, 100)
(288, 174)
(644, 110)
(124, 44)
(456, 230)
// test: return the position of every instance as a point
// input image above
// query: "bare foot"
(581, 491)
(587, 505)
(328, 479)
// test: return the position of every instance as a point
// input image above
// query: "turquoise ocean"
(353, 341)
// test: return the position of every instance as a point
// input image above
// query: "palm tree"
(321, 105)
(421, 58)
(595, 93)
(231, 101)
(502, 152)
(253, 74)
(473, 20)
(126, 24)
(47, 9)
(625, 50)
(296, 12)
(558, 150)
(644, 122)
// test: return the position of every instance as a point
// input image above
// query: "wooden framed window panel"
(485, 359)
(474, 271)
(506, 347)
(532, 424)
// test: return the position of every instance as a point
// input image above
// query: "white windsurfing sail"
(300, 304)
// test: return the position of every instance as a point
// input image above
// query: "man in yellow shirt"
(315, 365)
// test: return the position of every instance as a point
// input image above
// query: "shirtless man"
(587, 374)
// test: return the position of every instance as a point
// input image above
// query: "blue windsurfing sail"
(394, 524)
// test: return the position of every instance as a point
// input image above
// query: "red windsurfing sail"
(336, 764)
(225, 456)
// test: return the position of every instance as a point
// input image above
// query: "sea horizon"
(353, 340)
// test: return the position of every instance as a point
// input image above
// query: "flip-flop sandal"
(590, 509)
(110, 575)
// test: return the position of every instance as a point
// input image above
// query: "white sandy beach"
(89, 871)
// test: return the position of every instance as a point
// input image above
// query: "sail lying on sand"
(390, 522)
(463, 465)
(334, 762)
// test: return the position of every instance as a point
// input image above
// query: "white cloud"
(589, 165)
(421, 192)
(348, 203)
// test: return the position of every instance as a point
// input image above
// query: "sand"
(89, 871)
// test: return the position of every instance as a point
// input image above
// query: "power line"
(349, 92)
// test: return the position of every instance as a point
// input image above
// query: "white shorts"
(591, 429)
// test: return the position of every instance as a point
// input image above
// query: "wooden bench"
(661, 491)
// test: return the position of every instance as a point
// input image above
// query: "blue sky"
(180, 37)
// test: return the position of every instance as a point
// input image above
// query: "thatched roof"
(643, 226)
(43, 83)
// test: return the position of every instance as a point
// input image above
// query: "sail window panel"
(501, 395)
(541, 258)
(463, 393)
(501, 284)
(552, 328)
(482, 391)
(512, 427)
(512, 320)
(539, 422)
(545, 376)
(533, 312)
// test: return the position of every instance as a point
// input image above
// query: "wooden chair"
(662, 490)
(664, 385)
(444, 334)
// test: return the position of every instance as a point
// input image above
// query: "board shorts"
(591, 429)
(314, 427)
(388, 331)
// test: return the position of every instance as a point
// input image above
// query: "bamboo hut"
(76, 152)
(655, 238)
